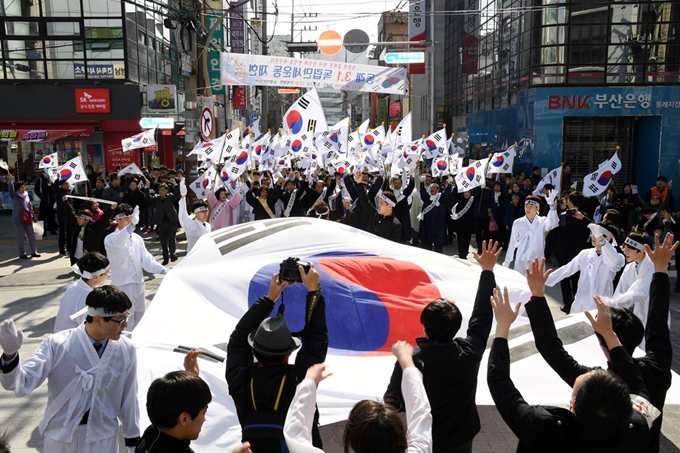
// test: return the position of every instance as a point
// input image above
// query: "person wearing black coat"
(165, 218)
(654, 367)
(44, 189)
(262, 202)
(285, 194)
(92, 232)
(482, 211)
(606, 414)
(463, 222)
(382, 221)
(64, 214)
(450, 365)
(433, 217)
(403, 208)
(262, 391)
(514, 211)
(360, 218)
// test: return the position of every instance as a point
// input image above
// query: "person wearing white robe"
(129, 257)
(528, 233)
(93, 269)
(632, 292)
(91, 374)
(598, 267)
(198, 226)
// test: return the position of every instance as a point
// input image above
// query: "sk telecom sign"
(93, 100)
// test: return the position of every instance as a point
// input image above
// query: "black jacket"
(258, 210)
(64, 208)
(555, 429)
(387, 227)
(165, 206)
(298, 209)
(450, 375)
(655, 366)
(360, 218)
(93, 235)
(154, 441)
(403, 211)
(433, 225)
(266, 380)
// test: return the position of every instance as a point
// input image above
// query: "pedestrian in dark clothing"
(22, 216)
(112, 192)
(535, 176)
(263, 391)
(87, 234)
(291, 197)
(44, 189)
(64, 214)
(401, 211)
(136, 198)
(359, 217)
(498, 206)
(602, 417)
(482, 211)
(463, 222)
(433, 217)
(262, 202)
(99, 186)
(654, 367)
(450, 365)
(514, 211)
(382, 221)
(165, 218)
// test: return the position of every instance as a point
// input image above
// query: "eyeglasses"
(119, 322)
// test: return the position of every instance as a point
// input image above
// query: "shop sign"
(599, 101)
(161, 98)
(668, 105)
(99, 71)
(35, 136)
(8, 135)
(93, 100)
(238, 100)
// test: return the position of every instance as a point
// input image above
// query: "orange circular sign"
(329, 42)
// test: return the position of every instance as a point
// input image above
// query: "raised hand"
(662, 253)
(490, 253)
(504, 312)
(602, 323)
(317, 373)
(191, 361)
(403, 351)
(536, 277)
(276, 287)
(11, 339)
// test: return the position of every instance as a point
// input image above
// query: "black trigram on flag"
(594, 177)
(73, 165)
(437, 137)
(311, 124)
(303, 137)
(209, 151)
(614, 165)
(593, 188)
(303, 103)
(328, 145)
(350, 139)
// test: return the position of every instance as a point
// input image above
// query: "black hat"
(273, 337)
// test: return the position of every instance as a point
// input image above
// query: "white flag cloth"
(502, 162)
(259, 148)
(373, 137)
(4, 165)
(363, 128)
(73, 171)
(204, 183)
(404, 130)
(553, 177)
(300, 144)
(305, 115)
(435, 145)
(132, 168)
(597, 182)
(232, 146)
(441, 166)
(473, 176)
(367, 283)
(253, 128)
(49, 161)
(210, 150)
(141, 140)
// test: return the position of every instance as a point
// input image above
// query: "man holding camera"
(263, 389)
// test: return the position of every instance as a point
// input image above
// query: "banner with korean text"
(245, 69)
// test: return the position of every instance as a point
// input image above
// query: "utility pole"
(292, 25)
(265, 88)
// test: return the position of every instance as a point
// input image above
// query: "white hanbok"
(193, 228)
(129, 257)
(632, 292)
(79, 380)
(528, 239)
(72, 302)
(597, 275)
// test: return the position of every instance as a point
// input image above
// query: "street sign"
(356, 41)
(253, 116)
(206, 125)
(329, 42)
(161, 123)
(405, 57)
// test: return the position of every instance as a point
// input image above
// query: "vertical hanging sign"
(417, 18)
(214, 55)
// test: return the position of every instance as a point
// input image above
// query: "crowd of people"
(613, 254)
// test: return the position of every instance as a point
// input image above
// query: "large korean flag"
(73, 171)
(374, 289)
(305, 115)
(598, 181)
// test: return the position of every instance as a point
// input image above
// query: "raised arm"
(481, 319)
(315, 334)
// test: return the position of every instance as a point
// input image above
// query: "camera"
(570, 212)
(289, 272)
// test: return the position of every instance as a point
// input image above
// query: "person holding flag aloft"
(198, 226)
(527, 236)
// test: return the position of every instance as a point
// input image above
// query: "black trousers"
(65, 227)
(464, 244)
(47, 216)
(481, 232)
(167, 232)
(569, 287)
(439, 248)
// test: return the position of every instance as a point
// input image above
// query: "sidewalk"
(30, 291)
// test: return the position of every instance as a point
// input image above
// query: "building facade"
(73, 74)
(569, 81)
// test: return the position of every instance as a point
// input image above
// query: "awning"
(41, 135)
(169, 132)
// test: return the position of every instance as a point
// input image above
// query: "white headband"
(632, 243)
(321, 214)
(200, 209)
(532, 203)
(91, 311)
(86, 274)
(387, 200)
(122, 215)
(84, 217)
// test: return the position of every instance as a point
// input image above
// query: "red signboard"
(395, 109)
(238, 100)
(93, 100)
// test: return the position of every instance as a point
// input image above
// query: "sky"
(339, 15)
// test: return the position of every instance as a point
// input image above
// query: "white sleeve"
(117, 239)
(183, 215)
(553, 220)
(129, 413)
(512, 246)
(418, 415)
(612, 258)
(638, 292)
(149, 263)
(297, 429)
(565, 271)
(29, 374)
